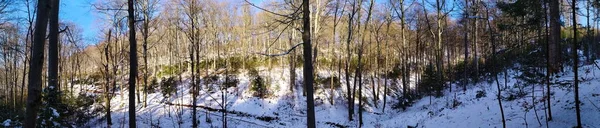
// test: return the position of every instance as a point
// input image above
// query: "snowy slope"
(287, 109)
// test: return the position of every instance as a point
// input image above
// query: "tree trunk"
(6, 76)
(494, 73)
(466, 39)
(350, 90)
(36, 63)
(292, 58)
(108, 82)
(385, 65)
(28, 41)
(554, 38)
(475, 40)
(575, 47)
(133, 65)
(360, 65)
(439, 50)
(145, 26)
(308, 67)
(53, 84)
(549, 61)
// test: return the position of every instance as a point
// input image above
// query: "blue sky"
(78, 12)
(81, 13)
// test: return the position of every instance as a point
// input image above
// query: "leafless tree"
(35, 72)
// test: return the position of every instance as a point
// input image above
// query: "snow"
(289, 108)
(6, 122)
(54, 113)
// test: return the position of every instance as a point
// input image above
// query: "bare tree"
(107, 76)
(494, 73)
(466, 44)
(350, 89)
(191, 12)
(359, 71)
(28, 42)
(552, 46)
(441, 14)
(403, 49)
(308, 66)
(147, 10)
(37, 60)
(575, 47)
(133, 65)
(53, 84)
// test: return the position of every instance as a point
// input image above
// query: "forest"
(299, 63)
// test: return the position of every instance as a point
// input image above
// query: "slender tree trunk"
(575, 47)
(385, 65)
(548, 63)
(133, 65)
(360, 65)
(194, 86)
(475, 40)
(586, 45)
(494, 73)
(194, 67)
(403, 55)
(145, 56)
(145, 33)
(439, 49)
(554, 43)
(292, 58)
(28, 40)
(37, 60)
(349, 87)
(466, 39)
(6, 76)
(53, 84)
(359, 77)
(333, 54)
(308, 67)
(108, 82)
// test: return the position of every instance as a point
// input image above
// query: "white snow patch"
(290, 108)
(54, 112)
(6, 123)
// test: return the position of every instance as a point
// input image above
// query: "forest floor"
(285, 108)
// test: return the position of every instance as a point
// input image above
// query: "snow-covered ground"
(288, 109)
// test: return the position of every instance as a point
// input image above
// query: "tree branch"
(274, 13)
(281, 54)
(63, 30)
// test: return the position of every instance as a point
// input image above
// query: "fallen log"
(242, 114)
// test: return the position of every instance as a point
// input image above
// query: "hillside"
(287, 109)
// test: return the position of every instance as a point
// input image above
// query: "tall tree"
(192, 12)
(494, 71)
(466, 41)
(552, 46)
(53, 84)
(575, 47)
(133, 65)
(440, 4)
(28, 42)
(107, 76)
(401, 12)
(475, 15)
(308, 66)
(36, 63)
(360, 65)
(147, 10)
(350, 95)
